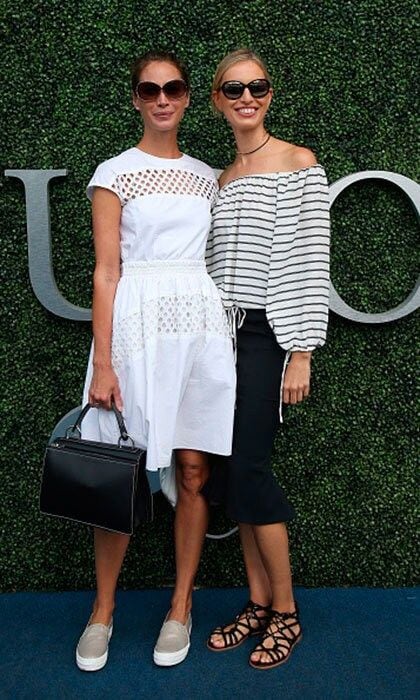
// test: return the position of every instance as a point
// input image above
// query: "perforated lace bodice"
(141, 183)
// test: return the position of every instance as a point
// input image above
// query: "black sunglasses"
(234, 89)
(173, 89)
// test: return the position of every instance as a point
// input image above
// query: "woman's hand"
(297, 377)
(104, 387)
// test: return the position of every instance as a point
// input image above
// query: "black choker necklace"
(248, 153)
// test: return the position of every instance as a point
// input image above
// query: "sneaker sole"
(91, 664)
(86, 664)
(170, 659)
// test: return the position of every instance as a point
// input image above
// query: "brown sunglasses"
(173, 89)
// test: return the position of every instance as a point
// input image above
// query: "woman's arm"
(106, 214)
(298, 373)
(298, 283)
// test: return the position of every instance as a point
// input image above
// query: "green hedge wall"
(344, 74)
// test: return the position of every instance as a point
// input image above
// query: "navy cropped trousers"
(244, 482)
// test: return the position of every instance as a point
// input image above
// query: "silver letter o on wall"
(412, 301)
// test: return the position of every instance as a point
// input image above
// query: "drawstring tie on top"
(236, 317)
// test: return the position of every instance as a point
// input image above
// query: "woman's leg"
(258, 581)
(266, 555)
(273, 546)
(92, 648)
(110, 549)
(191, 521)
(272, 542)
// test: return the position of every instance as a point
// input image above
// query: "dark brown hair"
(165, 56)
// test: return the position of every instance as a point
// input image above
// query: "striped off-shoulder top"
(268, 248)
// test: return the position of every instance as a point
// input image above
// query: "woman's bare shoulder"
(288, 156)
(303, 157)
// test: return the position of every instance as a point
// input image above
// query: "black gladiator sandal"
(283, 638)
(242, 627)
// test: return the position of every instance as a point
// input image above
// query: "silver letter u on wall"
(41, 271)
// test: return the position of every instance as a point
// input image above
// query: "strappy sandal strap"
(282, 639)
(250, 612)
(242, 627)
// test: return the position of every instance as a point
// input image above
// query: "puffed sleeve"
(298, 280)
(104, 176)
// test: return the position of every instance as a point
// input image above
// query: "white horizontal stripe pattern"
(269, 248)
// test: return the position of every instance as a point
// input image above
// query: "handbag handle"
(118, 415)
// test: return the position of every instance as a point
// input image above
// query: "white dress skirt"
(171, 345)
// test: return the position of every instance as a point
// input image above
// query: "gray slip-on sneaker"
(173, 642)
(92, 649)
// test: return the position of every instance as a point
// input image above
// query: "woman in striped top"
(268, 254)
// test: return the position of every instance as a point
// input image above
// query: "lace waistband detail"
(158, 267)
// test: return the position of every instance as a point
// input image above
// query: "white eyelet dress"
(171, 346)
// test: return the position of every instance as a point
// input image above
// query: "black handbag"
(96, 483)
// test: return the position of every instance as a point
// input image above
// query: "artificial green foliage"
(345, 84)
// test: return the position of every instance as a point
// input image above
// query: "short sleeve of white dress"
(105, 177)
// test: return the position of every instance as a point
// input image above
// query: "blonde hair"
(236, 57)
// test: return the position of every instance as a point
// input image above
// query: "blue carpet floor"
(357, 644)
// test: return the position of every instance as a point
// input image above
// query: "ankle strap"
(257, 606)
(281, 615)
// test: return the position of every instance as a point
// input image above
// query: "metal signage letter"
(41, 271)
(412, 301)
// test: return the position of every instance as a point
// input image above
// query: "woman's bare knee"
(192, 472)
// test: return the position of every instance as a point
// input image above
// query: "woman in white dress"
(161, 347)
